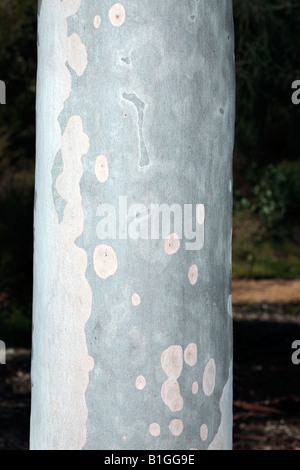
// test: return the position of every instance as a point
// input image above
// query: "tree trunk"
(132, 338)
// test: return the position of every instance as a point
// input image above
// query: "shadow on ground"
(266, 383)
(15, 400)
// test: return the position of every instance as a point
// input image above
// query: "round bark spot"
(105, 261)
(117, 14)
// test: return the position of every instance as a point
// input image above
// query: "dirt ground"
(266, 290)
(266, 388)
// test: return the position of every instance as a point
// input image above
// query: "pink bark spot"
(101, 168)
(154, 429)
(135, 299)
(172, 362)
(172, 244)
(176, 427)
(77, 54)
(170, 394)
(105, 261)
(195, 388)
(97, 21)
(117, 14)
(190, 354)
(204, 432)
(140, 382)
(209, 377)
(70, 7)
(193, 274)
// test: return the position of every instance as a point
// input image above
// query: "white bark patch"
(209, 377)
(71, 302)
(136, 300)
(72, 50)
(176, 427)
(101, 168)
(171, 361)
(140, 382)
(117, 14)
(154, 429)
(204, 432)
(193, 274)
(172, 244)
(195, 388)
(97, 21)
(77, 54)
(74, 144)
(70, 7)
(105, 261)
(190, 354)
(170, 394)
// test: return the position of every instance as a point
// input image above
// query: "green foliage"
(270, 196)
(256, 254)
(275, 198)
(15, 324)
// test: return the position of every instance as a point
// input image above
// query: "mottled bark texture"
(132, 338)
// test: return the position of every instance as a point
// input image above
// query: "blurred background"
(266, 228)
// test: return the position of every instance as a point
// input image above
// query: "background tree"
(17, 156)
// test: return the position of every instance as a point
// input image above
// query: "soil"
(266, 388)
(266, 290)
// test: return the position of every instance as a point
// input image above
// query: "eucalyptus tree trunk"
(132, 318)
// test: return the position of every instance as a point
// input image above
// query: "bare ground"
(266, 383)
(266, 290)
